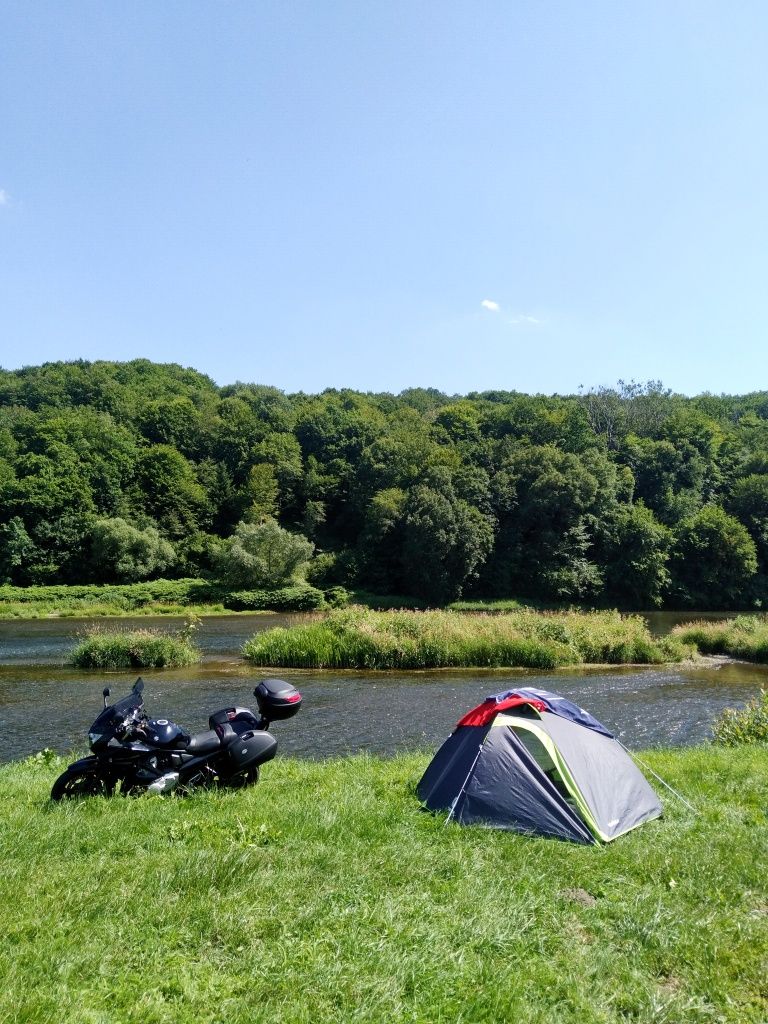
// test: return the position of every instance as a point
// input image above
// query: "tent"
(531, 761)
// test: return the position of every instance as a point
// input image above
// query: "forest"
(628, 496)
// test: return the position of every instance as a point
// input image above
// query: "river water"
(43, 704)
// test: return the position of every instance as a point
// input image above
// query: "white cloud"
(523, 320)
(4, 197)
(494, 307)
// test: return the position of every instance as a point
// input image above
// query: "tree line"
(628, 495)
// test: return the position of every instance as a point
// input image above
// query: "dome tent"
(531, 761)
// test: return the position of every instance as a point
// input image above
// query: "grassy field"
(359, 638)
(325, 894)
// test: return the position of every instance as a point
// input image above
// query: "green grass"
(359, 638)
(500, 604)
(158, 597)
(387, 602)
(396, 602)
(745, 636)
(325, 894)
(136, 648)
(749, 724)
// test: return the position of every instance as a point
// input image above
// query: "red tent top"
(484, 713)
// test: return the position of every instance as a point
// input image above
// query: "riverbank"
(156, 598)
(359, 638)
(174, 598)
(326, 894)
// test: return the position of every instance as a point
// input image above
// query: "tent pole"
(464, 784)
(657, 776)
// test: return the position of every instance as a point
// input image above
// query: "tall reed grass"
(360, 638)
(137, 648)
(745, 637)
(737, 726)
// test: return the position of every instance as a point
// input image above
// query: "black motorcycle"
(152, 755)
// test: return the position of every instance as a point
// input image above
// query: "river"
(43, 704)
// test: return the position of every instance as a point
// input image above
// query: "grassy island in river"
(325, 894)
(359, 638)
(744, 637)
(135, 648)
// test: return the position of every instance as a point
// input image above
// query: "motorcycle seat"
(204, 743)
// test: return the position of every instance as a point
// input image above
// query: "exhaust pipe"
(164, 784)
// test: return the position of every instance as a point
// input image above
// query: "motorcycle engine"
(162, 733)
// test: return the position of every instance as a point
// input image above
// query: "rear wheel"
(247, 778)
(79, 783)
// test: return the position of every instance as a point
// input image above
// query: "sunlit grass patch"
(745, 636)
(360, 638)
(749, 724)
(325, 893)
(136, 648)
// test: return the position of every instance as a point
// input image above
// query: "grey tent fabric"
(450, 767)
(539, 772)
(612, 786)
(508, 790)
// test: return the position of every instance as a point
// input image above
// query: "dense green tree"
(713, 560)
(544, 537)
(122, 553)
(167, 489)
(444, 543)
(669, 478)
(749, 503)
(261, 493)
(634, 550)
(236, 431)
(577, 494)
(262, 555)
(17, 551)
(105, 451)
(282, 453)
(381, 539)
(175, 422)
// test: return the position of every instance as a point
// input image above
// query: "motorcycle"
(144, 755)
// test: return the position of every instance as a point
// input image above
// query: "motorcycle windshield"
(116, 712)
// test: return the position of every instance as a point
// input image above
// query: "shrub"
(300, 598)
(262, 555)
(337, 597)
(743, 725)
(122, 552)
(322, 571)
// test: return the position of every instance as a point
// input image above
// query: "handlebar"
(131, 722)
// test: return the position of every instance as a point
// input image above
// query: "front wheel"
(79, 783)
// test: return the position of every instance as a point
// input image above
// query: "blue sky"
(325, 194)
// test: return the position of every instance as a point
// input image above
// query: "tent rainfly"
(531, 761)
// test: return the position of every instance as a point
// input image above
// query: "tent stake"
(657, 776)
(464, 784)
